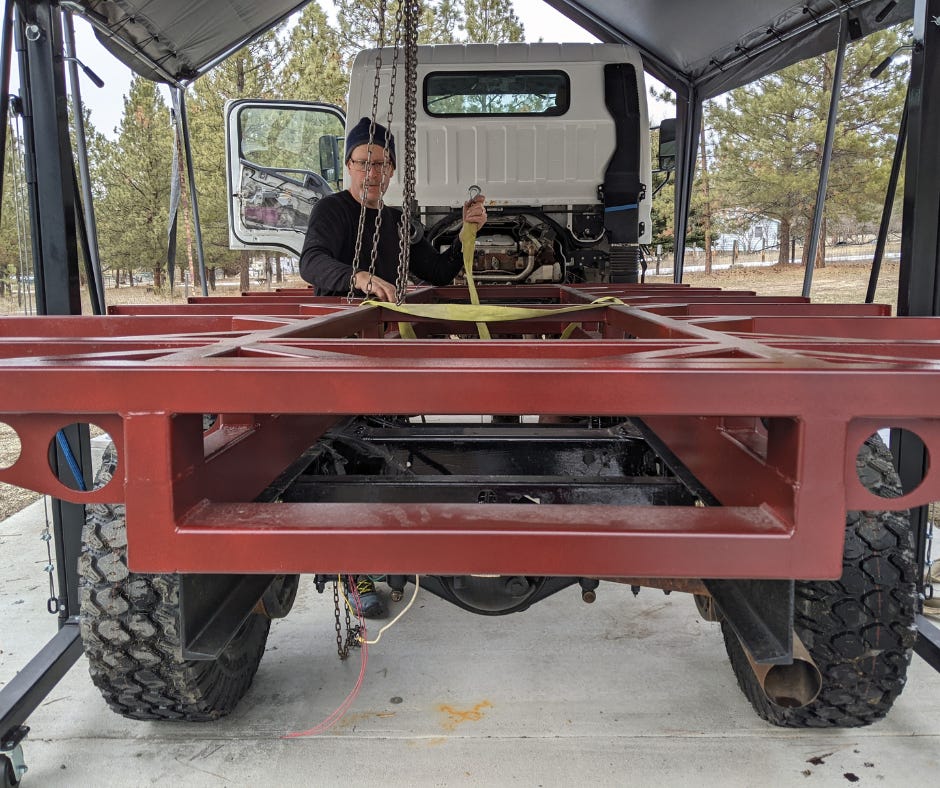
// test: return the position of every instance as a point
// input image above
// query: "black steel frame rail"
(51, 176)
(919, 281)
(28, 688)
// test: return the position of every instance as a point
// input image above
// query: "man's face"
(369, 176)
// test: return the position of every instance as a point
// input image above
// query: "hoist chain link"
(396, 48)
(343, 645)
(380, 43)
(409, 201)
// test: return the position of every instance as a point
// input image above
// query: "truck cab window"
(451, 93)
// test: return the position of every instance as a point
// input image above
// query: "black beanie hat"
(359, 135)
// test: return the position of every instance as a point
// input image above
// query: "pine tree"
(135, 176)
(15, 253)
(250, 73)
(315, 69)
(362, 25)
(771, 136)
(492, 22)
(441, 24)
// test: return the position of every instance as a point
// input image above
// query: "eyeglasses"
(364, 165)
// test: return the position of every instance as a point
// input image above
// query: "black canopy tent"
(709, 46)
(697, 48)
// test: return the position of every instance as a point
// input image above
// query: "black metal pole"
(190, 176)
(689, 120)
(889, 204)
(6, 64)
(95, 294)
(820, 207)
(90, 227)
(51, 181)
(50, 176)
(918, 284)
(28, 688)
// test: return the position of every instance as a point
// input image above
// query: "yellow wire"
(342, 590)
(390, 624)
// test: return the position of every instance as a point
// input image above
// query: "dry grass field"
(836, 283)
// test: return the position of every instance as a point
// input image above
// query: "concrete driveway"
(622, 692)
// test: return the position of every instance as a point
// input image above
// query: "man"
(329, 256)
(329, 252)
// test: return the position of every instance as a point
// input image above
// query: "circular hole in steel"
(10, 446)
(67, 449)
(876, 467)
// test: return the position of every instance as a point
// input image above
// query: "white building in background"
(761, 233)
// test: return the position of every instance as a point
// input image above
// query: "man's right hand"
(375, 287)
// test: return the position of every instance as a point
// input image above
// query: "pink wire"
(341, 710)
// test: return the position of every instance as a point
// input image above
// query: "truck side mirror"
(330, 168)
(667, 145)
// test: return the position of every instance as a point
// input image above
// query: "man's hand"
(474, 212)
(375, 287)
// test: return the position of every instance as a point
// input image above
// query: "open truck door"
(282, 156)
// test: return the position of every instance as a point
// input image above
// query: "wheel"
(859, 629)
(130, 630)
(8, 778)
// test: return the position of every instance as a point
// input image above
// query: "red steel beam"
(767, 408)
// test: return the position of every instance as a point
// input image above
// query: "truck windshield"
(496, 93)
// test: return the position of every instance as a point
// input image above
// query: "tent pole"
(193, 198)
(81, 150)
(889, 203)
(689, 121)
(819, 208)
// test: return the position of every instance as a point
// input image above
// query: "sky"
(540, 20)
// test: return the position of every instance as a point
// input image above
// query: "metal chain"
(412, 15)
(396, 48)
(380, 43)
(928, 562)
(52, 604)
(352, 632)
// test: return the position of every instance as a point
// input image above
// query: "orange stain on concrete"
(457, 717)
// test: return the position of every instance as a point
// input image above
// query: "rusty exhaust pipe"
(791, 686)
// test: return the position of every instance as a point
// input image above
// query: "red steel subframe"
(765, 399)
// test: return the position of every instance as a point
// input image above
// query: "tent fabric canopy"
(710, 46)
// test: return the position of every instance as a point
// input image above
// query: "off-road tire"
(859, 629)
(130, 630)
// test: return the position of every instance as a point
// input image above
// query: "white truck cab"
(555, 135)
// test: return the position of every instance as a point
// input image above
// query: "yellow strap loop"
(470, 313)
(468, 239)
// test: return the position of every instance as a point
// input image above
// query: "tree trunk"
(158, 277)
(243, 278)
(210, 275)
(821, 248)
(783, 237)
(268, 272)
(707, 212)
(278, 271)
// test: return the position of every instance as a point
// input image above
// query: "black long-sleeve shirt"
(330, 246)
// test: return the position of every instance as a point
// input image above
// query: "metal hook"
(473, 192)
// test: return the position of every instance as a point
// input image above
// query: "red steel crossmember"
(765, 399)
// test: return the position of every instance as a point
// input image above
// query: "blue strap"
(70, 459)
(615, 208)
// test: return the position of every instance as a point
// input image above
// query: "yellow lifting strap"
(468, 239)
(490, 313)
